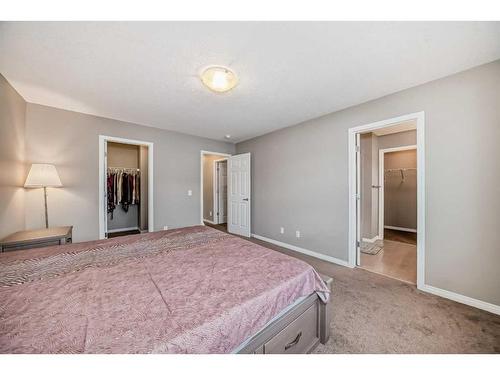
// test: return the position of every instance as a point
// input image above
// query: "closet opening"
(214, 189)
(125, 187)
(387, 210)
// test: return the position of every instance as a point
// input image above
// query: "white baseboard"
(371, 240)
(304, 251)
(209, 221)
(401, 229)
(495, 309)
(122, 229)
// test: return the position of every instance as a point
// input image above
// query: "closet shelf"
(400, 169)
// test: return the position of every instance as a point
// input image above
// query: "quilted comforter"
(188, 290)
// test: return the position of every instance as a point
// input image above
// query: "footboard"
(299, 330)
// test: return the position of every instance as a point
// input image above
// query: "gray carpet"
(372, 313)
(375, 314)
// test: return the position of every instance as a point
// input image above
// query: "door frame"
(215, 188)
(381, 160)
(419, 117)
(358, 202)
(103, 139)
(203, 153)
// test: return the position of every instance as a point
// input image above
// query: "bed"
(187, 290)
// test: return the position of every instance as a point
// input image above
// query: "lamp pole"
(46, 213)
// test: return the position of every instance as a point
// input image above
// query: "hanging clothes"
(137, 188)
(110, 194)
(125, 199)
(123, 188)
(119, 187)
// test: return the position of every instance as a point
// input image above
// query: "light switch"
(190, 192)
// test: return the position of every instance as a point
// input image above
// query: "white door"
(358, 199)
(239, 195)
(222, 192)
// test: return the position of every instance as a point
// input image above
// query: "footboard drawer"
(300, 336)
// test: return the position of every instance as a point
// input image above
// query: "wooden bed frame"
(299, 330)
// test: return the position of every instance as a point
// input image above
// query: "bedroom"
(155, 129)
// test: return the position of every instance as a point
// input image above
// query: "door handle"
(245, 199)
(376, 186)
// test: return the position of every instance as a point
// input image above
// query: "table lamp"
(43, 175)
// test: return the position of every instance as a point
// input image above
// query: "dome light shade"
(219, 78)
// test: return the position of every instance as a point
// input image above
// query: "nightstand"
(29, 239)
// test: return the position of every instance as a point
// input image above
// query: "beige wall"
(400, 159)
(400, 195)
(123, 155)
(12, 168)
(405, 138)
(70, 140)
(300, 179)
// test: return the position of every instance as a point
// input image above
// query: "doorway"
(225, 192)
(220, 191)
(389, 204)
(214, 188)
(386, 183)
(125, 187)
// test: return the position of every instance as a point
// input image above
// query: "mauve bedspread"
(191, 290)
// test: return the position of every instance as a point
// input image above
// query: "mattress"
(188, 290)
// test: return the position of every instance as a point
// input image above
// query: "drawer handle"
(294, 342)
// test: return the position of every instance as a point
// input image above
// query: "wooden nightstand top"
(44, 234)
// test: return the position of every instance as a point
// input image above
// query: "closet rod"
(124, 168)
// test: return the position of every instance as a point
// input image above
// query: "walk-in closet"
(126, 189)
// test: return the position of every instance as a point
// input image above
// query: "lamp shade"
(42, 175)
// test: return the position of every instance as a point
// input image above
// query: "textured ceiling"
(147, 72)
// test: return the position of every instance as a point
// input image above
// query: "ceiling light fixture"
(227, 136)
(219, 78)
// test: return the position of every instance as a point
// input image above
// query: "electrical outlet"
(210, 213)
(282, 230)
(165, 227)
(297, 233)
(190, 192)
